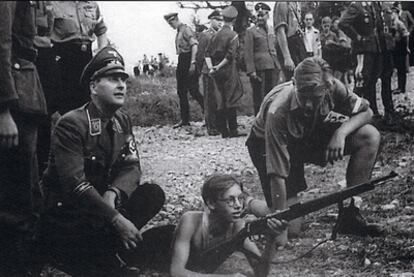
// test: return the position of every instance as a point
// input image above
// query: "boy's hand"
(276, 227)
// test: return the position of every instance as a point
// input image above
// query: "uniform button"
(17, 66)
(59, 204)
(123, 155)
(93, 158)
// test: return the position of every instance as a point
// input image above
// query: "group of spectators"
(153, 66)
(269, 55)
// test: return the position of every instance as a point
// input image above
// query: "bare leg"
(364, 144)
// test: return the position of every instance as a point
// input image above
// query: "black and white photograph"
(206, 138)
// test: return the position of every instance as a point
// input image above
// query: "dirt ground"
(179, 160)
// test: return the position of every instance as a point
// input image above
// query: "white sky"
(139, 28)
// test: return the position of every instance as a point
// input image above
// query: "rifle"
(211, 258)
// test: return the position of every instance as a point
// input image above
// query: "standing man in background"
(76, 23)
(49, 76)
(287, 24)
(209, 87)
(260, 57)
(363, 23)
(312, 38)
(187, 80)
(22, 104)
(222, 64)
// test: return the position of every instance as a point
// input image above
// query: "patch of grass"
(154, 101)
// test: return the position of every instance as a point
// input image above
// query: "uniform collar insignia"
(95, 125)
(116, 126)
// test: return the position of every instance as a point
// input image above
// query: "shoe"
(397, 91)
(350, 221)
(235, 134)
(181, 124)
(388, 119)
(213, 132)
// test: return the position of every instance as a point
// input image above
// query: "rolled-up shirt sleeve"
(280, 15)
(189, 36)
(347, 102)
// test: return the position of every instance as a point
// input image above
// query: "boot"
(350, 221)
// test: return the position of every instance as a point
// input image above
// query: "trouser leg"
(372, 69)
(386, 75)
(194, 89)
(231, 116)
(184, 61)
(210, 102)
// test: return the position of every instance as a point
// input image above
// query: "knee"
(153, 192)
(368, 137)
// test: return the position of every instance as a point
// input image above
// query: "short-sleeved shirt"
(184, 39)
(285, 125)
(77, 20)
(287, 14)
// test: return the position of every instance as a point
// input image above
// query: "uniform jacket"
(364, 20)
(77, 20)
(20, 85)
(225, 44)
(259, 50)
(203, 41)
(82, 154)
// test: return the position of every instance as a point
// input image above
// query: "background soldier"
(187, 80)
(287, 24)
(22, 104)
(260, 57)
(363, 23)
(76, 23)
(95, 205)
(209, 87)
(221, 61)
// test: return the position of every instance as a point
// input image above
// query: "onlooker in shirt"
(311, 37)
(75, 26)
(187, 80)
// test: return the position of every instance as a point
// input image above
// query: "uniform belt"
(79, 44)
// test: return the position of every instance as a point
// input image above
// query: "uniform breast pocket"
(95, 167)
(65, 26)
(28, 87)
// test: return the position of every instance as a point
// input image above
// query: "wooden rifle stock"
(211, 258)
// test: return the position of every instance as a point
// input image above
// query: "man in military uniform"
(260, 57)
(49, 76)
(209, 87)
(187, 80)
(221, 62)
(22, 104)
(95, 205)
(75, 26)
(287, 24)
(363, 23)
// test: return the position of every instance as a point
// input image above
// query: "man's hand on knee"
(335, 149)
(127, 231)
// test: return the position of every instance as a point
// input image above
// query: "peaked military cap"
(106, 62)
(261, 6)
(170, 16)
(215, 14)
(230, 12)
